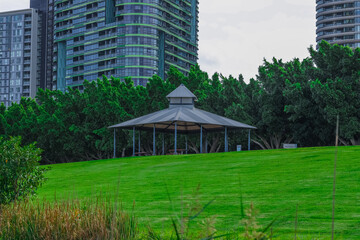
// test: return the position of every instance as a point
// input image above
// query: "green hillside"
(275, 181)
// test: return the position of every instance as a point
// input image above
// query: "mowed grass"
(275, 181)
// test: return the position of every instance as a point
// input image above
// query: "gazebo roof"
(187, 118)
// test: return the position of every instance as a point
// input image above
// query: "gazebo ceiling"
(184, 115)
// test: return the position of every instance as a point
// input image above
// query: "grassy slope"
(275, 181)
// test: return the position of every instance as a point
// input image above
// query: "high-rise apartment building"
(338, 21)
(46, 33)
(123, 38)
(19, 55)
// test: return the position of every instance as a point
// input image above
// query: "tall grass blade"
(202, 209)
(296, 220)
(168, 193)
(220, 236)
(334, 184)
(269, 225)
(153, 235)
(241, 200)
(176, 230)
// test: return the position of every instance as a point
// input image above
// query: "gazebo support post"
(154, 143)
(226, 140)
(114, 142)
(249, 140)
(206, 143)
(139, 141)
(201, 139)
(133, 141)
(163, 144)
(186, 145)
(175, 152)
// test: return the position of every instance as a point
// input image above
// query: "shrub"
(20, 173)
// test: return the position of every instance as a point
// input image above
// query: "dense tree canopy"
(295, 101)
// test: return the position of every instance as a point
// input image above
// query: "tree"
(273, 125)
(307, 125)
(20, 174)
(336, 88)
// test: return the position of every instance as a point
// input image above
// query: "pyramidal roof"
(187, 119)
(181, 92)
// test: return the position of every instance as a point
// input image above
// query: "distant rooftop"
(12, 12)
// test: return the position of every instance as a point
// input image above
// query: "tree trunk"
(215, 143)
(273, 143)
(276, 141)
(355, 141)
(265, 144)
(259, 144)
(343, 141)
(218, 149)
(123, 152)
(193, 147)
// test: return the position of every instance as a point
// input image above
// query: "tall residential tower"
(122, 38)
(19, 55)
(338, 21)
(46, 32)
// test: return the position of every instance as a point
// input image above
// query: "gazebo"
(181, 118)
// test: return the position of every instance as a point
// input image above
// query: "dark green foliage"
(295, 101)
(273, 124)
(20, 174)
(307, 127)
(336, 88)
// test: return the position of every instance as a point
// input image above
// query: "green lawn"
(275, 181)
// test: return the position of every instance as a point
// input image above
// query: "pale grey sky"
(236, 35)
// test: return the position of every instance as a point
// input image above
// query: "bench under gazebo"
(181, 118)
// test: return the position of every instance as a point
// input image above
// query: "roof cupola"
(181, 96)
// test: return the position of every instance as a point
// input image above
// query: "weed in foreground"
(252, 229)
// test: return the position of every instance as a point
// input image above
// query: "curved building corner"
(338, 22)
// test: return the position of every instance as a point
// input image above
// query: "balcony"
(57, 9)
(330, 2)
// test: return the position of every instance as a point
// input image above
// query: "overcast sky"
(236, 35)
